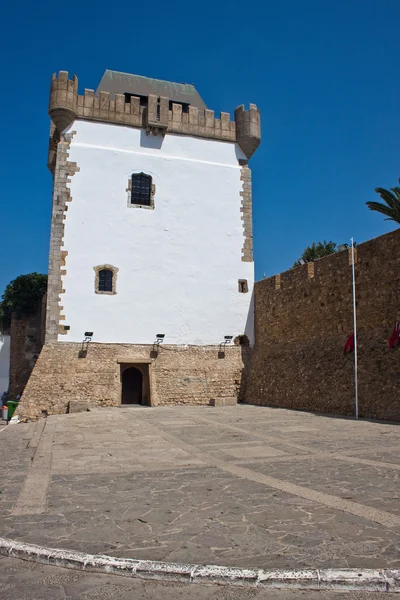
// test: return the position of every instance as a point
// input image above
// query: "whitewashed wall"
(179, 264)
(4, 362)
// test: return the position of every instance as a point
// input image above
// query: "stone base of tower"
(115, 374)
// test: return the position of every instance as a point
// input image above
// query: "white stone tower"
(151, 234)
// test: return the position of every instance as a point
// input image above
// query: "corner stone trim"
(246, 210)
(64, 169)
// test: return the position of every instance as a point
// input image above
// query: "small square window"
(243, 286)
(105, 279)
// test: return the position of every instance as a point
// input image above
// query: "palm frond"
(382, 208)
(392, 207)
(387, 196)
(396, 192)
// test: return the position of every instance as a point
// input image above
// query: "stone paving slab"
(241, 486)
(352, 482)
(393, 458)
(20, 580)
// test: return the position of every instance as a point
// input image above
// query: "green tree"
(22, 295)
(391, 208)
(316, 250)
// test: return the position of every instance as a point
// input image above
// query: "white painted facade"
(4, 362)
(179, 264)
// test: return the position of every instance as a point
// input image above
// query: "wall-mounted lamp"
(226, 342)
(84, 348)
(342, 247)
(302, 261)
(159, 340)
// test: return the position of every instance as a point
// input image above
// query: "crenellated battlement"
(248, 128)
(159, 115)
(63, 100)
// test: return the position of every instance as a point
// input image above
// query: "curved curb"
(371, 580)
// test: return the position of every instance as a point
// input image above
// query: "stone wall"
(27, 338)
(178, 375)
(303, 318)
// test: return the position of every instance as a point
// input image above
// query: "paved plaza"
(238, 486)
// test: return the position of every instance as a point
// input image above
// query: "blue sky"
(323, 73)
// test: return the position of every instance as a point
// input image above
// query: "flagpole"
(355, 326)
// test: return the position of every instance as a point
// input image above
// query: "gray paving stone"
(173, 484)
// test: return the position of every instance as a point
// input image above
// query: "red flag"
(349, 346)
(394, 339)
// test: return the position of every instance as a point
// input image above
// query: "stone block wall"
(178, 375)
(303, 318)
(27, 338)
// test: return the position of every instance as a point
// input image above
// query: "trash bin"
(12, 405)
(4, 413)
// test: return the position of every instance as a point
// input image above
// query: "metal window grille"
(141, 189)
(105, 280)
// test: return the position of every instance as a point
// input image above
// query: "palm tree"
(392, 207)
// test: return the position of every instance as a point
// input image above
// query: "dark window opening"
(185, 106)
(242, 286)
(158, 110)
(143, 99)
(105, 280)
(141, 189)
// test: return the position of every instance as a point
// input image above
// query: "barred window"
(141, 189)
(105, 280)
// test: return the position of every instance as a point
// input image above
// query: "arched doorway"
(132, 384)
